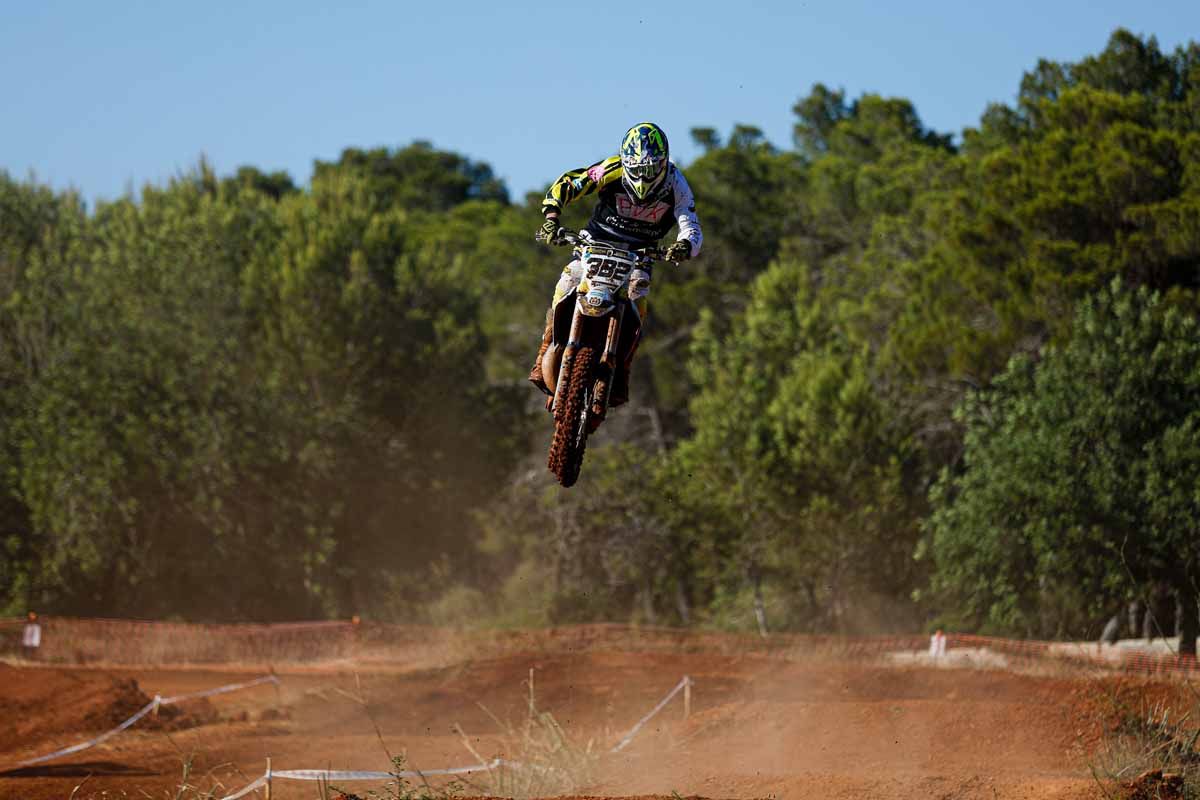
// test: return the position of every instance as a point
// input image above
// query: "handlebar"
(566, 236)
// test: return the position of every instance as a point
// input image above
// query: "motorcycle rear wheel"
(571, 420)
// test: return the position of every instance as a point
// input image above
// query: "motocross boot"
(619, 395)
(535, 374)
(620, 388)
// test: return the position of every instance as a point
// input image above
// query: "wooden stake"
(268, 795)
(687, 698)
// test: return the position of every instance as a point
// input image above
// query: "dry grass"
(191, 786)
(1149, 751)
(540, 759)
(398, 788)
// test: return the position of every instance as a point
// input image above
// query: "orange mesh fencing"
(70, 640)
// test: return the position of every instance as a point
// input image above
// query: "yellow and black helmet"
(644, 159)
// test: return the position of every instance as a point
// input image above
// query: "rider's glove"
(548, 232)
(680, 251)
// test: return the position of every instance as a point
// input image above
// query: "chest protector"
(618, 218)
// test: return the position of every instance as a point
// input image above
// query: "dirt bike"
(591, 332)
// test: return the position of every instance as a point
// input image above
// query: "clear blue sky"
(103, 96)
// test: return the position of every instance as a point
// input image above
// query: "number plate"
(607, 263)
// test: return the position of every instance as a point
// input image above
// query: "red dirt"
(1154, 785)
(44, 705)
(761, 725)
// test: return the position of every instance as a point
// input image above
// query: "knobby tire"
(570, 428)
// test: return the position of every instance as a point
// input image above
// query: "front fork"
(568, 360)
(609, 359)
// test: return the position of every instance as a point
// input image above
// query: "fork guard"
(551, 361)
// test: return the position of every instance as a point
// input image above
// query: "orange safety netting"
(71, 640)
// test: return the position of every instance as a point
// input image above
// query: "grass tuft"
(398, 788)
(547, 761)
(1150, 752)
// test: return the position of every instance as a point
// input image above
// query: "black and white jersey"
(619, 217)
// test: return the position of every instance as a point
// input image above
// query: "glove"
(680, 251)
(548, 232)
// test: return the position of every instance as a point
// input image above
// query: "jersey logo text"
(631, 210)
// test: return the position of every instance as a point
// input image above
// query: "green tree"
(1078, 472)
(801, 459)
(417, 177)
(41, 236)
(224, 374)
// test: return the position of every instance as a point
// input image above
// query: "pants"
(572, 276)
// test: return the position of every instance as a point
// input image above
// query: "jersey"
(618, 217)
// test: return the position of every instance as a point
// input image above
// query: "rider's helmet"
(644, 155)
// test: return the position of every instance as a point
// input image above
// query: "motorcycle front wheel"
(571, 419)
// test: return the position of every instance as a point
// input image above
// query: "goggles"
(645, 170)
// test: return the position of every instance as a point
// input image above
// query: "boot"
(619, 394)
(535, 374)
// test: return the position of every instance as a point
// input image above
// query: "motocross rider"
(641, 195)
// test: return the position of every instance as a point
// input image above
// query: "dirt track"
(760, 726)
